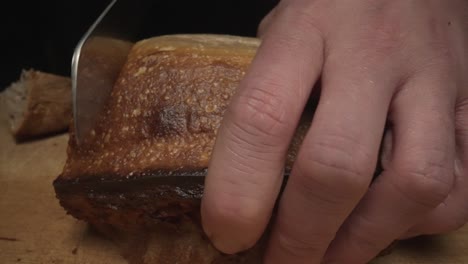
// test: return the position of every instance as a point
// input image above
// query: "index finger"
(245, 173)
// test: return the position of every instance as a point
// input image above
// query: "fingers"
(418, 177)
(245, 173)
(266, 22)
(453, 212)
(336, 161)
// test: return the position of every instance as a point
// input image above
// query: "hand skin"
(405, 61)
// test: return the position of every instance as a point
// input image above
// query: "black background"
(43, 34)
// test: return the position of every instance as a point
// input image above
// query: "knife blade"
(98, 58)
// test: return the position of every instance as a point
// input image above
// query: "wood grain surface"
(35, 229)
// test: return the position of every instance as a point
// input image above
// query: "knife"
(99, 57)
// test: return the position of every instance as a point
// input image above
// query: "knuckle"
(262, 112)
(262, 27)
(337, 164)
(297, 245)
(427, 183)
(377, 41)
(300, 16)
(265, 23)
(319, 193)
(435, 64)
(305, 19)
(365, 242)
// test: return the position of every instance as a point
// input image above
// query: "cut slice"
(38, 104)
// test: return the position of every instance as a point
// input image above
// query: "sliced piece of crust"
(38, 104)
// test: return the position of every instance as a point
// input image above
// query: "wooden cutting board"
(35, 229)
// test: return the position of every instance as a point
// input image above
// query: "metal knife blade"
(98, 59)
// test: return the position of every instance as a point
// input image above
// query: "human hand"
(401, 61)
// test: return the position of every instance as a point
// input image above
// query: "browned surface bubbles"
(163, 113)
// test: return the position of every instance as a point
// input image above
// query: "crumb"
(74, 251)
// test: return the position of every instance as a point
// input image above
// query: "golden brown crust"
(180, 87)
(48, 106)
(143, 164)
